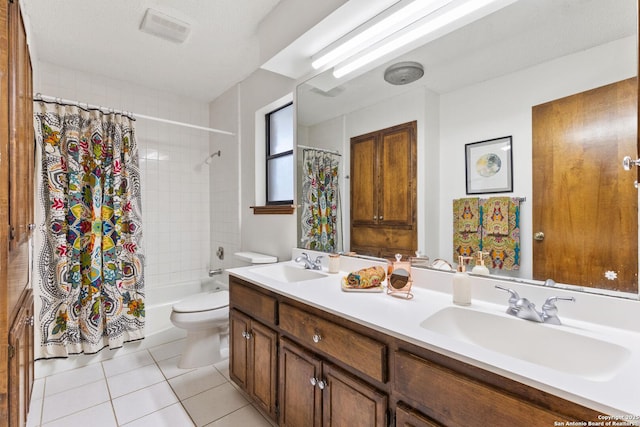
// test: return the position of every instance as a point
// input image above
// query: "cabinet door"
(364, 175)
(397, 171)
(263, 360)
(300, 399)
(406, 417)
(343, 394)
(21, 363)
(239, 326)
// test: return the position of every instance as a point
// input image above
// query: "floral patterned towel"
(366, 278)
(468, 215)
(496, 220)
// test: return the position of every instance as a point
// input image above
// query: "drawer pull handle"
(316, 338)
(313, 381)
(322, 384)
(246, 335)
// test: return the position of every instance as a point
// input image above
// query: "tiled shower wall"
(175, 179)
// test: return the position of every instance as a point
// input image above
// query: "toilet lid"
(202, 302)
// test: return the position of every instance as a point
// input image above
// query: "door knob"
(628, 163)
(538, 236)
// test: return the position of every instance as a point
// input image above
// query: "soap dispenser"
(461, 284)
(480, 268)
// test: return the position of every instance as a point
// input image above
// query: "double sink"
(561, 348)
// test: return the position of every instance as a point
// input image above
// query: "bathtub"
(158, 302)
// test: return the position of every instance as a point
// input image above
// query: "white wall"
(502, 107)
(174, 179)
(235, 224)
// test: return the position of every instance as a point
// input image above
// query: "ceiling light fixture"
(379, 30)
(421, 30)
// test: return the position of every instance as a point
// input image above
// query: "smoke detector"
(403, 73)
(164, 26)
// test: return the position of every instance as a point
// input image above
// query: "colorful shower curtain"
(320, 196)
(89, 272)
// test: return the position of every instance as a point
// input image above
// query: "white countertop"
(617, 395)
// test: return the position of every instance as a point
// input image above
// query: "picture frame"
(489, 166)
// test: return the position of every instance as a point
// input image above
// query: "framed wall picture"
(489, 166)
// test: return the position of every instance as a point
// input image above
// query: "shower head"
(211, 156)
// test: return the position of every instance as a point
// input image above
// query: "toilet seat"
(206, 301)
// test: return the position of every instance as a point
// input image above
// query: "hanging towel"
(468, 215)
(496, 220)
(504, 251)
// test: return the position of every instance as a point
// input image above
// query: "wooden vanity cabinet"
(253, 346)
(313, 392)
(326, 370)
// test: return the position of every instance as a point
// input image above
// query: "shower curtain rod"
(324, 150)
(40, 97)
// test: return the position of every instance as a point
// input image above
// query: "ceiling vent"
(403, 73)
(164, 26)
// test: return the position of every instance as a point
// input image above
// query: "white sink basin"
(287, 273)
(552, 347)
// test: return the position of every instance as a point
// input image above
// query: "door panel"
(300, 401)
(364, 198)
(348, 401)
(263, 375)
(396, 178)
(239, 354)
(583, 201)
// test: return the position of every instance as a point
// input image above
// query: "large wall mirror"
(481, 82)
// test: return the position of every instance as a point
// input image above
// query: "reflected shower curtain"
(89, 271)
(319, 220)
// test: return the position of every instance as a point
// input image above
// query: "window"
(279, 155)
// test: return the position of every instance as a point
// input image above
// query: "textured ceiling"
(102, 36)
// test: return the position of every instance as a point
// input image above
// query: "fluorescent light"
(403, 17)
(412, 35)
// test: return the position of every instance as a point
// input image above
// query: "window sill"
(273, 210)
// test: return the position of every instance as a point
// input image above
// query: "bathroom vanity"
(309, 353)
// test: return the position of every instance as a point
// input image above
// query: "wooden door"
(397, 175)
(347, 401)
(364, 176)
(239, 326)
(583, 201)
(300, 400)
(21, 363)
(263, 370)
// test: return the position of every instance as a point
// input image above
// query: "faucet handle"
(513, 299)
(549, 306)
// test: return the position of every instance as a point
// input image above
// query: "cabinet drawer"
(456, 400)
(257, 304)
(355, 350)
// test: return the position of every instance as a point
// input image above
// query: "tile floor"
(141, 388)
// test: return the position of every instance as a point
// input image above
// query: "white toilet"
(205, 317)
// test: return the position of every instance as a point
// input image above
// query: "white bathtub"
(159, 301)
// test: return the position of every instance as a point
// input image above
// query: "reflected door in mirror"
(383, 192)
(585, 207)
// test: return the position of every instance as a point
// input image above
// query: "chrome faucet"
(308, 264)
(525, 309)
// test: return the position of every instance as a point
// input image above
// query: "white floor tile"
(37, 391)
(78, 399)
(96, 416)
(35, 413)
(73, 379)
(214, 404)
(126, 363)
(197, 381)
(247, 416)
(143, 402)
(168, 350)
(134, 380)
(170, 368)
(171, 416)
(223, 368)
